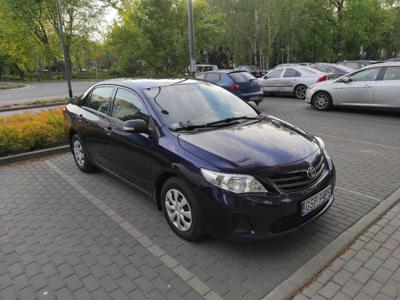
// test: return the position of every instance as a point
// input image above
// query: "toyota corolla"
(210, 161)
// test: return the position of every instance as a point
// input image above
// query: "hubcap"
(321, 101)
(178, 210)
(78, 153)
(301, 92)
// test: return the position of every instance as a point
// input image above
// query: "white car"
(292, 80)
(376, 85)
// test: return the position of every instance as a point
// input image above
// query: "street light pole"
(66, 61)
(191, 39)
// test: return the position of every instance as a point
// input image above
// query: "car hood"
(268, 143)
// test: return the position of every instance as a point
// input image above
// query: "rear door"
(289, 80)
(387, 90)
(359, 90)
(94, 121)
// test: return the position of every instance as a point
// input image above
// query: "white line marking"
(359, 141)
(187, 276)
(358, 193)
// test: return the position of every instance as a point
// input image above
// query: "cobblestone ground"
(73, 235)
(370, 269)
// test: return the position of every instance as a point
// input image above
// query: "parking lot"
(71, 234)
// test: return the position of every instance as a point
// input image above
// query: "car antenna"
(165, 112)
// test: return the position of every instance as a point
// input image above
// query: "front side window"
(194, 104)
(392, 73)
(366, 75)
(127, 106)
(100, 99)
(274, 74)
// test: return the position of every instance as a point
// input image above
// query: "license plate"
(316, 201)
(254, 98)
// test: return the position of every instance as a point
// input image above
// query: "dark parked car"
(241, 83)
(209, 160)
(338, 70)
(253, 70)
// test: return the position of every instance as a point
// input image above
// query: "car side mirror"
(346, 79)
(136, 126)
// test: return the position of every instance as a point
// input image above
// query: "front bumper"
(309, 95)
(243, 217)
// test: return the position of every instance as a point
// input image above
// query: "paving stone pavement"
(54, 241)
(369, 269)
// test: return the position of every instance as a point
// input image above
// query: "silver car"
(292, 80)
(376, 85)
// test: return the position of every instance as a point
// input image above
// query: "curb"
(287, 288)
(33, 154)
(31, 106)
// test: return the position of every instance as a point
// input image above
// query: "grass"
(34, 103)
(26, 132)
(10, 85)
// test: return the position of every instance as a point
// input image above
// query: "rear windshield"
(240, 77)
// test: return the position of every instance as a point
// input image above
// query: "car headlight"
(322, 145)
(235, 183)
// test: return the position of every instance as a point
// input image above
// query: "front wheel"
(181, 209)
(322, 101)
(300, 91)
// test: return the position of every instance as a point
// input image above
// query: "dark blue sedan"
(240, 83)
(208, 159)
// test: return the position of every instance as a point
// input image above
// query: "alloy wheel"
(78, 153)
(301, 91)
(178, 210)
(321, 101)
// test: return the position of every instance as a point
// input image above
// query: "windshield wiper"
(228, 120)
(190, 127)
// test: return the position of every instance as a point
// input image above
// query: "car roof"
(145, 83)
(384, 64)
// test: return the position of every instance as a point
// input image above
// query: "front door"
(130, 154)
(359, 90)
(270, 82)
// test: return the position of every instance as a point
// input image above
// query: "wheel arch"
(322, 91)
(158, 184)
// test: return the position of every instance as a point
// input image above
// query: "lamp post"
(66, 61)
(191, 39)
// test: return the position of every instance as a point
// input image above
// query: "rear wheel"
(181, 209)
(300, 91)
(80, 155)
(322, 101)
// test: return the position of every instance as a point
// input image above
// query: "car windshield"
(197, 104)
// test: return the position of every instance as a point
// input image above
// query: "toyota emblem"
(311, 172)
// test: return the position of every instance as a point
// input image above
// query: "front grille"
(295, 180)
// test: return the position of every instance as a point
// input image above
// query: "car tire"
(181, 209)
(300, 91)
(81, 156)
(322, 101)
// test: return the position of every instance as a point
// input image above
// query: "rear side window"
(100, 99)
(240, 77)
(128, 106)
(213, 77)
(392, 73)
(291, 73)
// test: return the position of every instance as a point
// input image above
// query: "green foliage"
(20, 133)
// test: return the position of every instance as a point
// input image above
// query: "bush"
(25, 132)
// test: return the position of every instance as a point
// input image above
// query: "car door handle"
(108, 130)
(80, 118)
